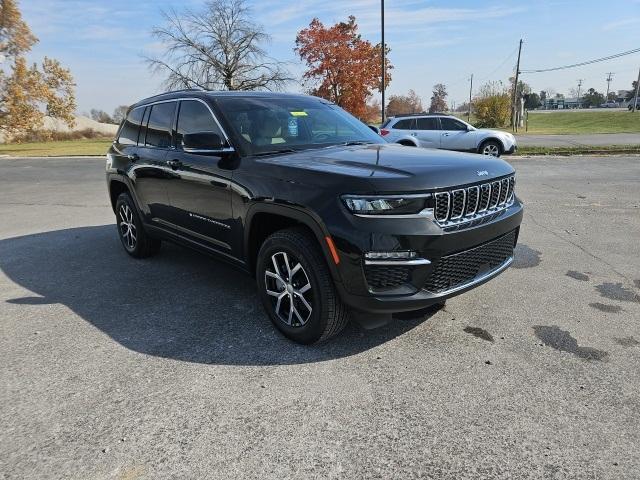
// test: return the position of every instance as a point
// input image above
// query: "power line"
(588, 62)
(509, 57)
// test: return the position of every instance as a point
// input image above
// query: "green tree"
(533, 101)
(592, 98)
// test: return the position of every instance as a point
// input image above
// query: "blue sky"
(431, 41)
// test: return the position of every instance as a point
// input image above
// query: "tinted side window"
(159, 126)
(429, 123)
(130, 127)
(451, 124)
(195, 117)
(406, 124)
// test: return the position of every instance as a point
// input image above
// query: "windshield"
(263, 125)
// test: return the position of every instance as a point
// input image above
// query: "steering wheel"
(321, 136)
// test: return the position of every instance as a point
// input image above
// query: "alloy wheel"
(491, 149)
(127, 227)
(288, 284)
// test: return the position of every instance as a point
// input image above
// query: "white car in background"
(437, 130)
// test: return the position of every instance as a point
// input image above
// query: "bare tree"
(219, 48)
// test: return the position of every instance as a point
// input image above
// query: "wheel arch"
(264, 219)
(116, 188)
(488, 139)
(408, 141)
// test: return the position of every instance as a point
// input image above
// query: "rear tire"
(296, 288)
(406, 143)
(135, 240)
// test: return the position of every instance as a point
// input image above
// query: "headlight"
(387, 205)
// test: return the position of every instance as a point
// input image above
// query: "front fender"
(301, 215)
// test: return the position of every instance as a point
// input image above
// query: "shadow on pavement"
(179, 305)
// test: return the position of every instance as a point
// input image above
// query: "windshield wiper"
(275, 152)
(357, 142)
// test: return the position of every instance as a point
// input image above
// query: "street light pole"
(384, 53)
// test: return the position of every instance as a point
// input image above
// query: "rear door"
(199, 192)
(428, 132)
(454, 135)
(403, 127)
(125, 146)
(151, 172)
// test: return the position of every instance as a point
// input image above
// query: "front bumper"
(513, 149)
(438, 245)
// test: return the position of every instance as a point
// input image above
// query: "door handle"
(413, 134)
(133, 157)
(174, 164)
(445, 134)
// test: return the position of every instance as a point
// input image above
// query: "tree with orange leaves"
(341, 66)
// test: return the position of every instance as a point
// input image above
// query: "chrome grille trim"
(477, 201)
(472, 207)
(458, 212)
(485, 196)
(440, 197)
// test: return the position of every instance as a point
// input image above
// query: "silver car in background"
(437, 130)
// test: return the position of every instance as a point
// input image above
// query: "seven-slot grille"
(465, 204)
(464, 267)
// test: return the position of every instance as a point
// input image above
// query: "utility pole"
(384, 54)
(609, 78)
(635, 99)
(515, 90)
(470, 90)
(579, 85)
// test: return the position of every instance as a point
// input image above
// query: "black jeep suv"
(331, 219)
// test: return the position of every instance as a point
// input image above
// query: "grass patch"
(576, 122)
(581, 150)
(64, 148)
(583, 122)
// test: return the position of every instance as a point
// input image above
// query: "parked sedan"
(446, 132)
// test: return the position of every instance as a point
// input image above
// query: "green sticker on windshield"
(298, 114)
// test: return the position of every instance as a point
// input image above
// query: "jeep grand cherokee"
(333, 221)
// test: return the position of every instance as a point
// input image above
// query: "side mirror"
(374, 128)
(203, 142)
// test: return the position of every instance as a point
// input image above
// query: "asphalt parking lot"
(168, 368)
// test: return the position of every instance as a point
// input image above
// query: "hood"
(495, 133)
(396, 168)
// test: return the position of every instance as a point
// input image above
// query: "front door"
(455, 136)
(199, 193)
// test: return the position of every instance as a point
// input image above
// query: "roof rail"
(423, 114)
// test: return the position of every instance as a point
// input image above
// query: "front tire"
(491, 148)
(135, 240)
(296, 288)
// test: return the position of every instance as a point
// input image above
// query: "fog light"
(390, 255)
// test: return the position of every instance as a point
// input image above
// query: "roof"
(201, 93)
